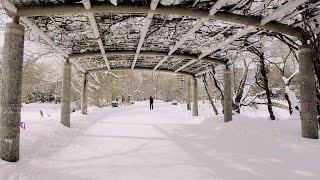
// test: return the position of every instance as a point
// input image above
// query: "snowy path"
(134, 143)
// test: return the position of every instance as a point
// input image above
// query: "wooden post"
(84, 95)
(66, 93)
(195, 97)
(10, 104)
(227, 104)
(309, 122)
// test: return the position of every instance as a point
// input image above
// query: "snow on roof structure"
(182, 36)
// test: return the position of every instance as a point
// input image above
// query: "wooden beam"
(145, 53)
(136, 69)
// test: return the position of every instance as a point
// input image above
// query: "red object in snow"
(22, 125)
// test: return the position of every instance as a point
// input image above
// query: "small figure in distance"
(151, 102)
(41, 113)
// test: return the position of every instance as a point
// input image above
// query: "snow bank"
(133, 142)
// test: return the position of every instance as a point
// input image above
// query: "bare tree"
(239, 91)
(204, 80)
(216, 82)
(264, 79)
(289, 95)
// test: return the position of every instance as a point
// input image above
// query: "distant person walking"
(151, 102)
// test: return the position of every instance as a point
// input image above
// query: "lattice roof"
(175, 35)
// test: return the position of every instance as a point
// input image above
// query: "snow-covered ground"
(135, 143)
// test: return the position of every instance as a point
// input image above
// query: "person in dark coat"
(151, 102)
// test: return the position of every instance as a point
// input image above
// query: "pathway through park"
(135, 143)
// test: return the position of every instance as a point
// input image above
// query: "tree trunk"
(317, 72)
(239, 93)
(266, 86)
(289, 103)
(204, 80)
(217, 85)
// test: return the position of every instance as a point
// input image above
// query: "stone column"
(84, 94)
(308, 93)
(227, 104)
(195, 97)
(188, 94)
(10, 103)
(66, 94)
(128, 99)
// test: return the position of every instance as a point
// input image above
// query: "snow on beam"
(282, 10)
(240, 3)
(94, 25)
(47, 10)
(144, 31)
(260, 6)
(106, 61)
(114, 2)
(196, 27)
(77, 65)
(136, 69)
(153, 6)
(10, 6)
(160, 62)
(197, 69)
(144, 53)
(216, 7)
(143, 35)
(228, 41)
(203, 72)
(86, 4)
(134, 61)
(185, 65)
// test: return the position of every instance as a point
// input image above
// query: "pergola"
(178, 36)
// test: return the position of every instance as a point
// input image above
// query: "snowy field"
(134, 143)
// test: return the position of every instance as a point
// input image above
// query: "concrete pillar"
(188, 94)
(308, 93)
(195, 97)
(128, 99)
(10, 103)
(227, 104)
(84, 94)
(66, 94)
